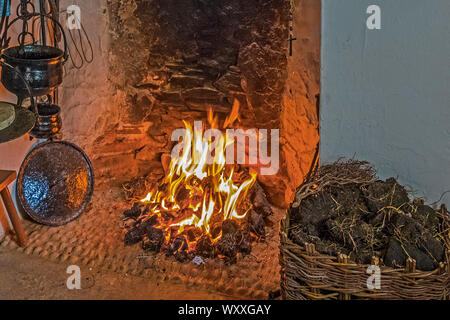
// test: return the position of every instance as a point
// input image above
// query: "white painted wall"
(386, 93)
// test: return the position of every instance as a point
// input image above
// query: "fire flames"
(196, 195)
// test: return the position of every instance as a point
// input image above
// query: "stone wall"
(301, 100)
(198, 54)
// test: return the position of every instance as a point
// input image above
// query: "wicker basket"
(307, 274)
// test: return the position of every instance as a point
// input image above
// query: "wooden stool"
(6, 177)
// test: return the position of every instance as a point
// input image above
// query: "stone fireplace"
(161, 62)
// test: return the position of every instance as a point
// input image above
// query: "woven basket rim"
(285, 240)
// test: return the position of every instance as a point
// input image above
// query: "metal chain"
(22, 11)
(22, 8)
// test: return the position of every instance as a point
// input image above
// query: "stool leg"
(4, 220)
(15, 220)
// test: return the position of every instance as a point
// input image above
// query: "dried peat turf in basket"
(366, 219)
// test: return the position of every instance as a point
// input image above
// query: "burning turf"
(201, 207)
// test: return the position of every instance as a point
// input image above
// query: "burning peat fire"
(204, 206)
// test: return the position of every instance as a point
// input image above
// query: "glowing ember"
(198, 194)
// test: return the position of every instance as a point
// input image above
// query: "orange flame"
(195, 194)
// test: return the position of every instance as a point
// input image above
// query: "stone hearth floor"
(95, 241)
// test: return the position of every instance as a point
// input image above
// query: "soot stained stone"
(186, 81)
(211, 38)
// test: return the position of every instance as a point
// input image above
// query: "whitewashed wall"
(385, 93)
